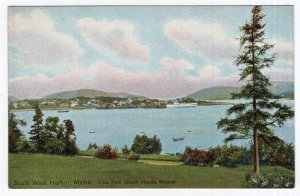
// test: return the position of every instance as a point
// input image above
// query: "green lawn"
(54, 171)
(158, 157)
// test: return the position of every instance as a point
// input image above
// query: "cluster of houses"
(92, 103)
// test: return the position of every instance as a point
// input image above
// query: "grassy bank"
(53, 171)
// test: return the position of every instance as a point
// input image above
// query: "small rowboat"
(175, 139)
(59, 111)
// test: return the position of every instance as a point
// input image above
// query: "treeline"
(50, 136)
(142, 144)
(281, 154)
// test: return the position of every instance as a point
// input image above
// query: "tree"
(256, 118)
(14, 133)
(69, 138)
(54, 135)
(37, 130)
(145, 145)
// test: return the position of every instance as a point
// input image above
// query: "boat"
(59, 111)
(181, 105)
(175, 139)
(92, 132)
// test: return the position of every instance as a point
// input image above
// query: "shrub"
(269, 181)
(197, 156)
(23, 145)
(125, 150)
(282, 154)
(230, 156)
(106, 152)
(227, 156)
(143, 144)
(133, 157)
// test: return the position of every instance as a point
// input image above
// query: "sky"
(156, 51)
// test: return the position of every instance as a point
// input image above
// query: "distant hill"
(282, 88)
(87, 93)
(288, 94)
(217, 92)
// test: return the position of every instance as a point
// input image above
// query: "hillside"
(87, 93)
(217, 92)
(282, 88)
(288, 94)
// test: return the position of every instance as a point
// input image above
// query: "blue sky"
(157, 51)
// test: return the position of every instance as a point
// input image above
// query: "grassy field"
(54, 171)
(157, 157)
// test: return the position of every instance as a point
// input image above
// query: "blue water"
(119, 126)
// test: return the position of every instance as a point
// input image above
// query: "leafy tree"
(14, 133)
(54, 135)
(37, 130)
(145, 145)
(69, 138)
(256, 118)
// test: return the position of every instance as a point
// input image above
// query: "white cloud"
(285, 51)
(208, 40)
(280, 74)
(117, 36)
(210, 72)
(38, 43)
(169, 83)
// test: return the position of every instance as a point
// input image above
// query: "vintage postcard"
(130, 96)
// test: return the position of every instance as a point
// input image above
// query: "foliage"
(14, 133)
(281, 154)
(133, 157)
(37, 130)
(106, 152)
(227, 156)
(230, 156)
(269, 181)
(92, 146)
(69, 138)
(197, 156)
(143, 144)
(125, 150)
(256, 118)
(188, 100)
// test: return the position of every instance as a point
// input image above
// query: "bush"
(227, 156)
(269, 181)
(125, 150)
(133, 157)
(106, 152)
(230, 156)
(197, 156)
(282, 154)
(143, 144)
(23, 145)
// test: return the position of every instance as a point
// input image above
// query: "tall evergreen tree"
(256, 118)
(37, 130)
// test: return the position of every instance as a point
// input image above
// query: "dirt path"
(151, 162)
(154, 162)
